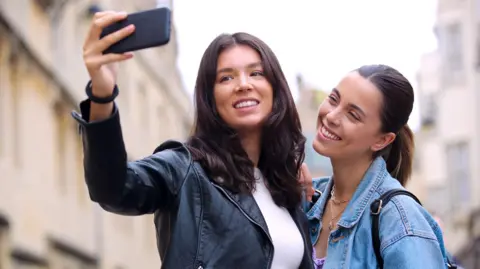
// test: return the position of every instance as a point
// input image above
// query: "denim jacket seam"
(422, 234)
(392, 240)
(403, 214)
(413, 234)
(408, 229)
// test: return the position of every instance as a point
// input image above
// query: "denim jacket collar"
(361, 198)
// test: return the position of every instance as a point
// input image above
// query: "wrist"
(99, 90)
(101, 98)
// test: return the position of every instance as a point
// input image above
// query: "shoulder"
(174, 152)
(171, 155)
(320, 183)
(404, 217)
(410, 236)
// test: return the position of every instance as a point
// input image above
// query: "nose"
(244, 83)
(333, 117)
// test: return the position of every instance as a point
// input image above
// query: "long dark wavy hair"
(216, 146)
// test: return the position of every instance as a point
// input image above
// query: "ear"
(383, 142)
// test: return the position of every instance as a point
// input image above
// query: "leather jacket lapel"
(247, 204)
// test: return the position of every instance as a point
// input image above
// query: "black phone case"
(152, 29)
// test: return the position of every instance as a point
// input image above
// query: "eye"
(225, 78)
(332, 98)
(354, 116)
(257, 73)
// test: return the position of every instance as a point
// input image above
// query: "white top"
(287, 241)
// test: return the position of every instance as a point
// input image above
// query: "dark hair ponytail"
(400, 156)
(397, 93)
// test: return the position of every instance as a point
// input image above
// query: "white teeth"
(328, 134)
(246, 104)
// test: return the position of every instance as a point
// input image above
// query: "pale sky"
(320, 39)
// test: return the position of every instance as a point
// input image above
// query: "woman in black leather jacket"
(227, 198)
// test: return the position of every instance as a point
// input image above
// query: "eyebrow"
(335, 90)
(229, 69)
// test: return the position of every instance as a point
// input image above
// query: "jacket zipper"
(270, 258)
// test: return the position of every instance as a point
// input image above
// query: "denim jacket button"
(314, 229)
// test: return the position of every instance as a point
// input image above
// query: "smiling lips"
(245, 103)
(327, 134)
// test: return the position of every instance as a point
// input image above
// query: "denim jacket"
(410, 237)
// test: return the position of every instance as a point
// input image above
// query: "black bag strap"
(316, 195)
(376, 208)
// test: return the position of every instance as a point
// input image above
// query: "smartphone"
(152, 29)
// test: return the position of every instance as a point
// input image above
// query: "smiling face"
(243, 96)
(349, 122)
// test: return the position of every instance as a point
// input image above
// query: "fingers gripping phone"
(152, 29)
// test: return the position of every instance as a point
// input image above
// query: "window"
(428, 110)
(15, 77)
(61, 146)
(433, 203)
(454, 47)
(451, 47)
(4, 251)
(477, 44)
(22, 259)
(66, 257)
(3, 78)
(81, 188)
(458, 169)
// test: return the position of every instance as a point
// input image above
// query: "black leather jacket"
(199, 224)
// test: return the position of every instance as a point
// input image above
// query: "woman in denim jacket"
(362, 128)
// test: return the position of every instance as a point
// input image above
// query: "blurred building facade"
(46, 217)
(448, 151)
(307, 104)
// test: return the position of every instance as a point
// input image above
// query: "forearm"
(105, 158)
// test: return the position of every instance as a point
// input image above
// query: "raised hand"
(101, 66)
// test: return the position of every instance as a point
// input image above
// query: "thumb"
(306, 181)
(305, 176)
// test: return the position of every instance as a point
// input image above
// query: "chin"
(247, 124)
(322, 149)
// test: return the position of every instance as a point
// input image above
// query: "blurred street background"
(46, 218)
